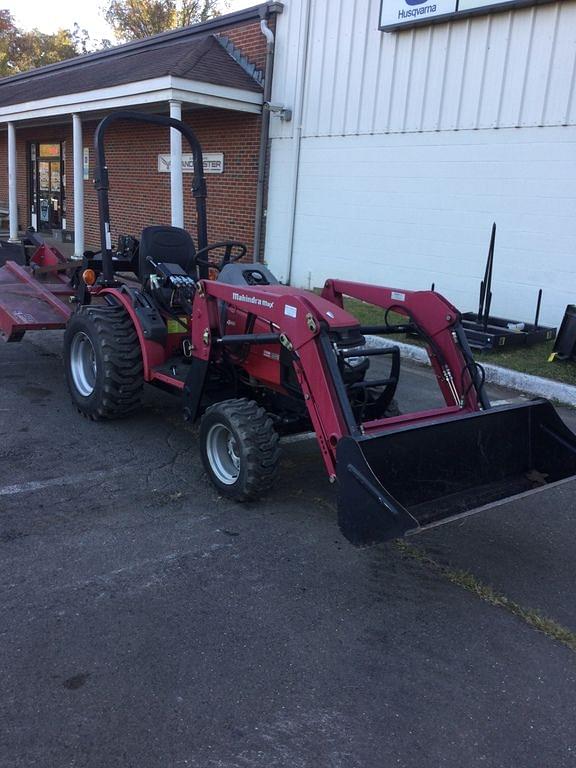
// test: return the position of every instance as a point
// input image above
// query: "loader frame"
(302, 324)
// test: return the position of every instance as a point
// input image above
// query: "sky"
(63, 13)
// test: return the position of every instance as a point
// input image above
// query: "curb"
(503, 377)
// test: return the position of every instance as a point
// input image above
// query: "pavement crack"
(487, 594)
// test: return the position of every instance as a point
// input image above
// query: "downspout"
(298, 139)
(264, 138)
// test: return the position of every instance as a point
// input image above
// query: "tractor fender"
(153, 353)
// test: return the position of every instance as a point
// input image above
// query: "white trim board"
(160, 89)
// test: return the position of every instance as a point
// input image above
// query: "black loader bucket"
(419, 476)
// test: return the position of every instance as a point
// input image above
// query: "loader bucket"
(415, 477)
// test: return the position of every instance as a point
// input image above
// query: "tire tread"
(123, 375)
(260, 441)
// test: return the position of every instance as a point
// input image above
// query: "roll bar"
(101, 181)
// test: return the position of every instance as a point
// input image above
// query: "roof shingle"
(193, 58)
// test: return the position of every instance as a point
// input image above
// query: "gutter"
(298, 138)
(264, 134)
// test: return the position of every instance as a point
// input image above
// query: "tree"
(29, 50)
(7, 25)
(7, 31)
(80, 39)
(23, 50)
(195, 11)
(135, 19)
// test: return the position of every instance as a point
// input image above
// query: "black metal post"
(538, 308)
(488, 277)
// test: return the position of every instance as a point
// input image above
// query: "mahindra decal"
(243, 298)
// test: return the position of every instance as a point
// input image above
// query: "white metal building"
(407, 144)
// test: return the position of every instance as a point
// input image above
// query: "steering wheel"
(201, 259)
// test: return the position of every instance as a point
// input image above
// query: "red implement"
(26, 304)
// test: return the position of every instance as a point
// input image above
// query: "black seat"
(168, 245)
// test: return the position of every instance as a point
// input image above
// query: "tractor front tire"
(103, 362)
(240, 449)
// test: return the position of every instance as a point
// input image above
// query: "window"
(49, 150)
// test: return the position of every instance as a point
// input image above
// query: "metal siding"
(287, 65)
(402, 172)
(503, 70)
(417, 208)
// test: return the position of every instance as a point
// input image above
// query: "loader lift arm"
(299, 322)
(439, 323)
(303, 324)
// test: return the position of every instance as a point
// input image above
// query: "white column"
(12, 187)
(176, 186)
(78, 154)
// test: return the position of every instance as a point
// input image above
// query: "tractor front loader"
(396, 474)
(253, 359)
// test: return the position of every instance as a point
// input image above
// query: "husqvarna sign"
(398, 12)
(395, 14)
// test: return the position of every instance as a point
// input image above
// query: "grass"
(487, 594)
(467, 581)
(531, 360)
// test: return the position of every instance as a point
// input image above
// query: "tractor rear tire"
(240, 449)
(103, 362)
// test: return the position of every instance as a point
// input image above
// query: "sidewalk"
(535, 386)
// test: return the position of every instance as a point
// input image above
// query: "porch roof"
(194, 65)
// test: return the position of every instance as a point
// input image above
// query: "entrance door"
(47, 186)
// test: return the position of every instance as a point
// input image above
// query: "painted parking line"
(38, 485)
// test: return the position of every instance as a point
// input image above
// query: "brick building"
(212, 75)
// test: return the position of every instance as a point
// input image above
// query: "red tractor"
(254, 359)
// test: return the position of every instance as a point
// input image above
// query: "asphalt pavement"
(148, 623)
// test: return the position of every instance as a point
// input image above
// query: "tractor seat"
(169, 245)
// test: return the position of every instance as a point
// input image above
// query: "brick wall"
(139, 195)
(249, 39)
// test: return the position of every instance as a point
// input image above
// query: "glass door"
(47, 187)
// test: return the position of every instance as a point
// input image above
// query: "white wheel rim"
(83, 364)
(223, 454)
